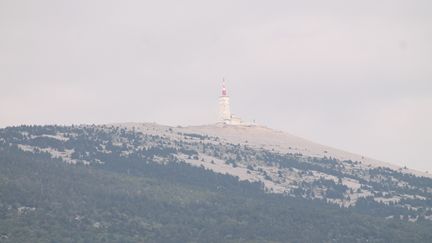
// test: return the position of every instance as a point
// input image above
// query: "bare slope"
(263, 137)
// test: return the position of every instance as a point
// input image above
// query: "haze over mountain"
(351, 74)
(110, 130)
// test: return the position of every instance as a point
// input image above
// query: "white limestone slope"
(257, 136)
(264, 137)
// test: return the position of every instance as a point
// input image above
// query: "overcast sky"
(355, 75)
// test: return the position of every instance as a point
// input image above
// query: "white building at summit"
(225, 115)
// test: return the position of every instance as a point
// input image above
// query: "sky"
(355, 75)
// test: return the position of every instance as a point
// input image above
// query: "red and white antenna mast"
(224, 91)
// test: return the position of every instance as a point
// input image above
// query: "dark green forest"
(168, 203)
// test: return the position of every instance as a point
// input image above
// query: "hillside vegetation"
(106, 184)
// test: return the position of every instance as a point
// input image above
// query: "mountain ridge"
(279, 140)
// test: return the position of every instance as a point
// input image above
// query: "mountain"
(144, 182)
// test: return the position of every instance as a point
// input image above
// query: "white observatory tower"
(225, 115)
(224, 106)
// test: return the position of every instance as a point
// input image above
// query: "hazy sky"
(355, 75)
